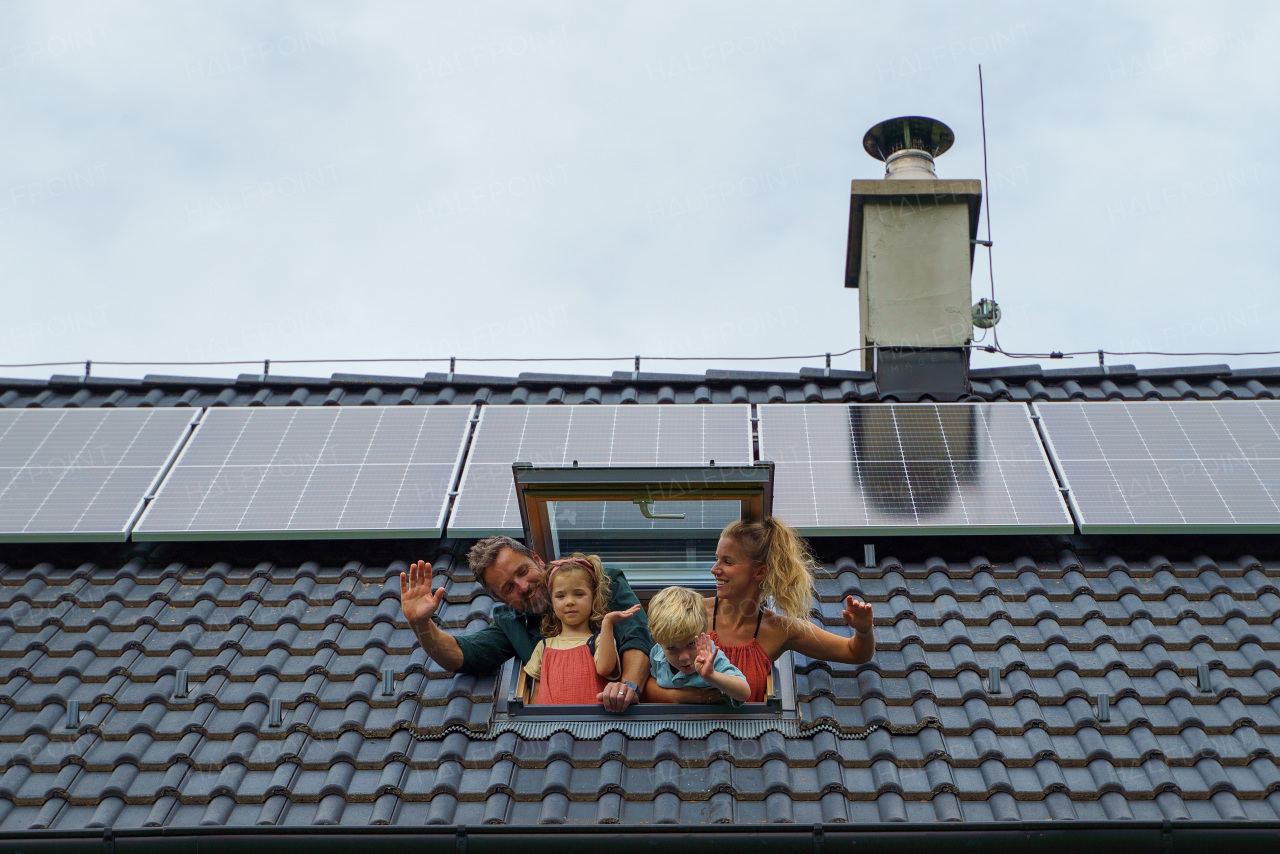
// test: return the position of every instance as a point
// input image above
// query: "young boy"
(684, 657)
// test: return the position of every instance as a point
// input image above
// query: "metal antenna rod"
(986, 181)
(986, 177)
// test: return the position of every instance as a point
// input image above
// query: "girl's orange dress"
(567, 674)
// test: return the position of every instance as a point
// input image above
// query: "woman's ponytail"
(788, 580)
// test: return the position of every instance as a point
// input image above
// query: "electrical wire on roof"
(449, 359)
(986, 348)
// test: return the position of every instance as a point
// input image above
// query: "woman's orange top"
(748, 657)
(568, 677)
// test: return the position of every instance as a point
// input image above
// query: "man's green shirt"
(515, 633)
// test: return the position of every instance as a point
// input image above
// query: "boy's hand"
(704, 664)
(857, 615)
(617, 616)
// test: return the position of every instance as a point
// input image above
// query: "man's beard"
(537, 602)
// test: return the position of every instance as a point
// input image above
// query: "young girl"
(578, 653)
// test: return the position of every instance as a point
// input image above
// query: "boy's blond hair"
(676, 615)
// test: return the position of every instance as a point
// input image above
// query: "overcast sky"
(311, 180)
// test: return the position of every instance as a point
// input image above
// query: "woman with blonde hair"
(766, 561)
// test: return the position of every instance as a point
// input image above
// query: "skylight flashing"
(514, 702)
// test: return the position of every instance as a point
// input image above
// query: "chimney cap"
(914, 132)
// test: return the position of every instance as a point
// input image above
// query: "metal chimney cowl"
(910, 254)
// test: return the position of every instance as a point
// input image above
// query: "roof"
(1021, 383)
(917, 735)
(914, 736)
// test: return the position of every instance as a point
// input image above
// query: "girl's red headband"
(575, 562)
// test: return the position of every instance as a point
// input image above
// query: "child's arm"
(606, 649)
(534, 667)
(735, 687)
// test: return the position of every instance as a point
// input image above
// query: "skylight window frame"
(538, 486)
(779, 705)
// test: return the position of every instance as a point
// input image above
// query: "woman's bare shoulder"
(776, 624)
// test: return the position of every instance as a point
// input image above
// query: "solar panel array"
(874, 468)
(82, 474)
(323, 471)
(1153, 466)
(895, 468)
(632, 435)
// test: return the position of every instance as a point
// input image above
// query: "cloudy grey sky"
(318, 180)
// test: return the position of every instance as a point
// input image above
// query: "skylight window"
(660, 526)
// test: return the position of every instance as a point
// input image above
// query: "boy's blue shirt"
(668, 677)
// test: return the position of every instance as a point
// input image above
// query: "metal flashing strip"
(1183, 836)
(690, 729)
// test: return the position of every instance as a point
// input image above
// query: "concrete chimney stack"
(910, 255)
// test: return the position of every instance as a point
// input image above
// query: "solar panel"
(341, 471)
(1189, 467)
(625, 435)
(906, 468)
(82, 474)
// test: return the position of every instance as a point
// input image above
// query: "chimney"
(911, 246)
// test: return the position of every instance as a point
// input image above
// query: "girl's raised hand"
(857, 615)
(615, 616)
(704, 664)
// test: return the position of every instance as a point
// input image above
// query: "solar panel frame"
(1140, 472)
(251, 485)
(923, 491)
(121, 478)
(487, 484)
